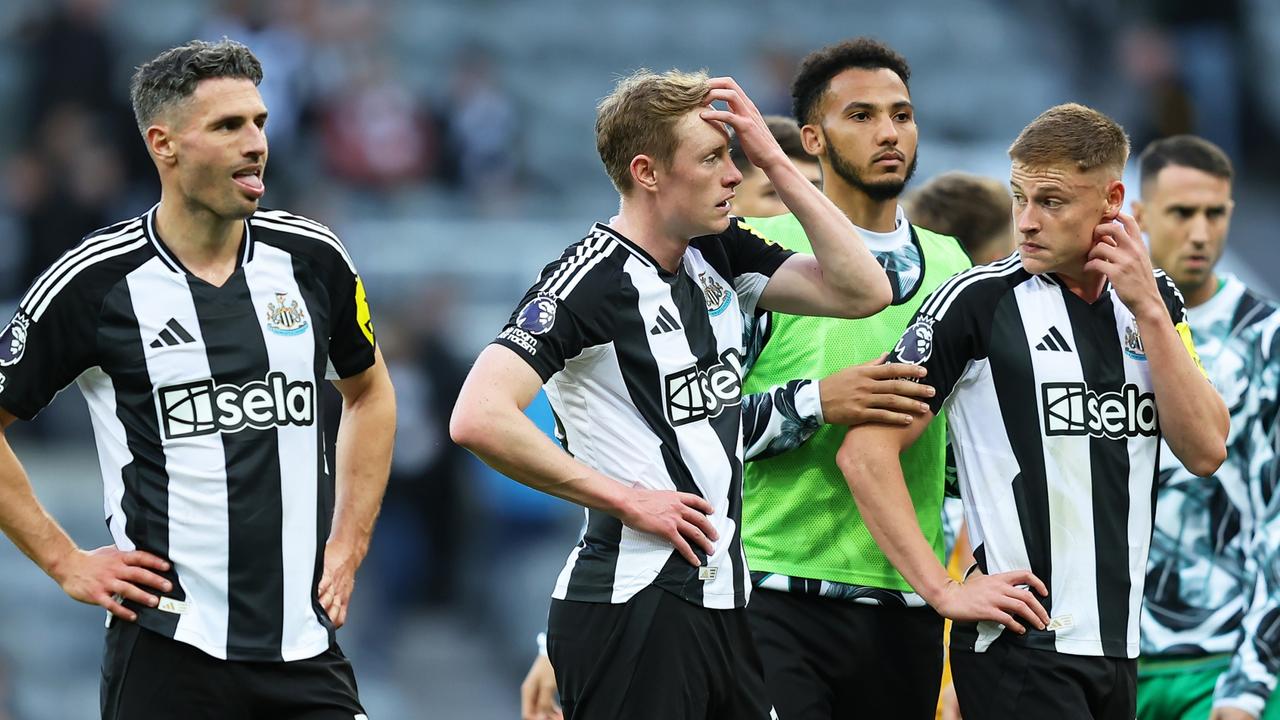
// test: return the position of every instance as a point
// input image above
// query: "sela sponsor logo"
(716, 295)
(694, 394)
(201, 408)
(1071, 408)
(538, 315)
(285, 317)
(916, 344)
(13, 339)
(526, 341)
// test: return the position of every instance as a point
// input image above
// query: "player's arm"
(95, 577)
(869, 460)
(842, 277)
(489, 420)
(1193, 418)
(784, 417)
(362, 464)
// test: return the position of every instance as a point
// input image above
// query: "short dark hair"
(172, 76)
(1184, 151)
(785, 131)
(820, 66)
(972, 209)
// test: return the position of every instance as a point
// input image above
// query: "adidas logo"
(172, 334)
(666, 323)
(1053, 341)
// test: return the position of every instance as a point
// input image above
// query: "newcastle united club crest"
(285, 316)
(716, 295)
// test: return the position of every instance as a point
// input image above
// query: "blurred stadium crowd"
(449, 143)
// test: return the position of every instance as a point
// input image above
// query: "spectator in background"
(481, 133)
(976, 211)
(755, 196)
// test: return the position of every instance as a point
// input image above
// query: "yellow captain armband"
(1184, 332)
(365, 319)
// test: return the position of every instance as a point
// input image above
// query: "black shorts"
(147, 676)
(1010, 680)
(826, 658)
(654, 656)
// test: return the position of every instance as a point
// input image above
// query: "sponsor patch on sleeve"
(538, 315)
(13, 339)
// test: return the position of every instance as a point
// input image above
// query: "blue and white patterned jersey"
(1213, 583)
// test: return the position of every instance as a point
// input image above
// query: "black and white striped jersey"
(1054, 427)
(205, 409)
(643, 369)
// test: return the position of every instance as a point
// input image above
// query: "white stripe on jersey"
(302, 634)
(131, 243)
(562, 281)
(1068, 476)
(300, 225)
(200, 552)
(90, 246)
(941, 299)
(984, 471)
(113, 449)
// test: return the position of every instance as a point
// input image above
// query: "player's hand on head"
(538, 692)
(748, 124)
(997, 598)
(875, 392)
(679, 518)
(1119, 253)
(107, 576)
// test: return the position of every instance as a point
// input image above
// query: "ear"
(160, 143)
(644, 172)
(814, 140)
(1115, 199)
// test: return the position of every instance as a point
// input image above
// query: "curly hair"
(820, 66)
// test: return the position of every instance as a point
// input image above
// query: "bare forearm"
(362, 464)
(875, 479)
(847, 266)
(25, 521)
(1193, 418)
(508, 441)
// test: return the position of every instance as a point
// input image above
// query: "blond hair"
(1072, 134)
(639, 118)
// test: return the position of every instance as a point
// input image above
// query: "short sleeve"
(565, 312)
(46, 345)
(753, 259)
(945, 344)
(351, 337)
(1177, 307)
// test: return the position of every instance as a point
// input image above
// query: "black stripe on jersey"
(591, 579)
(316, 298)
(940, 300)
(297, 225)
(92, 243)
(572, 269)
(1102, 363)
(73, 262)
(146, 481)
(1015, 386)
(255, 567)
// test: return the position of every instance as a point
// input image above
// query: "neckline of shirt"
(171, 260)
(884, 242)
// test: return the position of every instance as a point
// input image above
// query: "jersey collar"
(171, 261)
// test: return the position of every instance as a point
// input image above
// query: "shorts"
(1010, 680)
(147, 676)
(654, 656)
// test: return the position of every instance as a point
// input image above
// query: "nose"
(1198, 232)
(733, 176)
(1026, 219)
(886, 131)
(255, 142)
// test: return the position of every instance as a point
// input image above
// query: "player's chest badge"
(1133, 342)
(285, 316)
(716, 295)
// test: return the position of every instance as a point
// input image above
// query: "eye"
(1051, 203)
(1216, 213)
(902, 117)
(1019, 200)
(859, 116)
(1184, 213)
